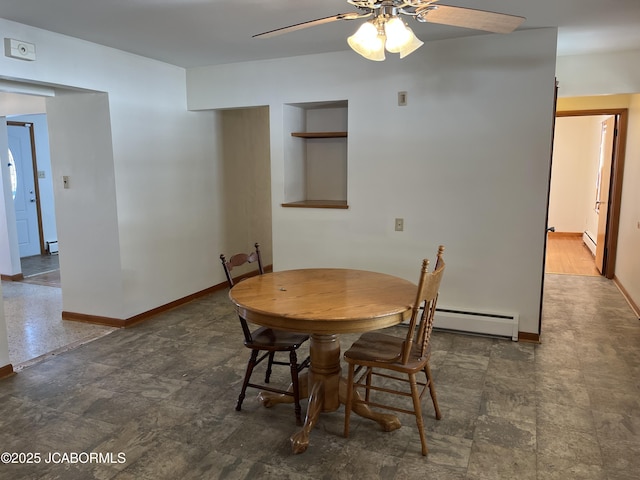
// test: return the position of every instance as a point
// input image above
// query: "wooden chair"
(267, 340)
(376, 352)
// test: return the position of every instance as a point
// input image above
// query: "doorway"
(33, 196)
(26, 194)
(599, 137)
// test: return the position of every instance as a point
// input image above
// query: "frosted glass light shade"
(398, 35)
(367, 42)
(411, 46)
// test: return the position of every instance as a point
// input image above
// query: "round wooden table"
(324, 302)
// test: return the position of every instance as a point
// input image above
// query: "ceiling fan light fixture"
(384, 32)
(368, 42)
(387, 29)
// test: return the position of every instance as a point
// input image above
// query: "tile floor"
(33, 314)
(38, 264)
(163, 394)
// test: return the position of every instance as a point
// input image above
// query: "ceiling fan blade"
(471, 18)
(311, 23)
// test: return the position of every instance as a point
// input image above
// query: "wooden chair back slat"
(423, 310)
(238, 260)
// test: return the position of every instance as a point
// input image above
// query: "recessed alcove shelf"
(316, 155)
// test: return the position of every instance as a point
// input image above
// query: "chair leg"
(415, 395)
(247, 376)
(368, 389)
(349, 400)
(269, 365)
(293, 361)
(432, 391)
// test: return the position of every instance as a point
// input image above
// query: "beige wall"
(628, 260)
(576, 153)
(246, 173)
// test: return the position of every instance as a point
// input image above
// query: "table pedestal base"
(326, 390)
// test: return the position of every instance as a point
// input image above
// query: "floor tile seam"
(58, 351)
(600, 440)
(514, 422)
(508, 377)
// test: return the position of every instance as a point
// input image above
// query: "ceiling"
(191, 33)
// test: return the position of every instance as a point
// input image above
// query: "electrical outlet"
(41, 174)
(399, 224)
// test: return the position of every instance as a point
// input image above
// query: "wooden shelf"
(319, 134)
(318, 204)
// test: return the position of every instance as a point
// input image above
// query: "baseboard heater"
(587, 238)
(494, 324)
(52, 247)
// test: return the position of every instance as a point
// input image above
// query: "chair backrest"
(240, 259)
(235, 261)
(424, 308)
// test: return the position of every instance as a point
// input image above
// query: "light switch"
(399, 224)
(65, 181)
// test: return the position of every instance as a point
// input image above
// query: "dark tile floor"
(163, 393)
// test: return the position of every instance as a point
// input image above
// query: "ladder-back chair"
(377, 354)
(267, 341)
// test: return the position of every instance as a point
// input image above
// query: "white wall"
(576, 155)
(599, 74)
(86, 212)
(4, 343)
(465, 163)
(141, 219)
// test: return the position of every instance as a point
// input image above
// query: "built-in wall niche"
(315, 156)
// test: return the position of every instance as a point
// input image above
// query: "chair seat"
(373, 348)
(276, 340)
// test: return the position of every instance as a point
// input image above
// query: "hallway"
(568, 255)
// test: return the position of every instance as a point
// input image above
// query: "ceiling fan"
(387, 30)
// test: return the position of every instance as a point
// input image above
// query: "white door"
(602, 193)
(25, 201)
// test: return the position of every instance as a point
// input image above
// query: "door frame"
(615, 186)
(36, 183)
